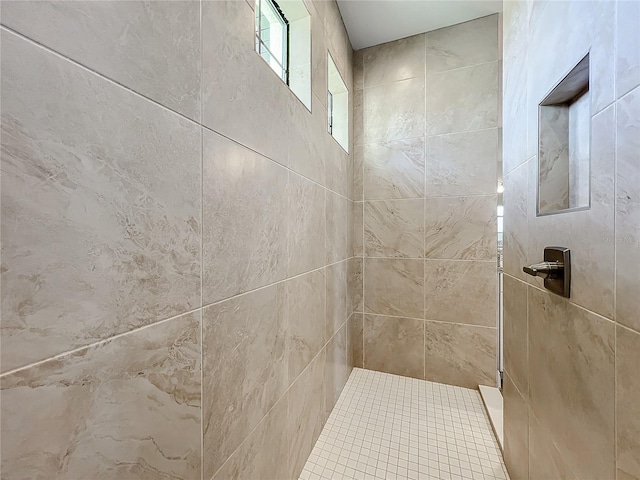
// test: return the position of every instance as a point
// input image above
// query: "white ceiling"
(372, 22)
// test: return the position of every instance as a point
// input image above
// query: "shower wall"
(571, 387)
(174, 244)
(423, 277)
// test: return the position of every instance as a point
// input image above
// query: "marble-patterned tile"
(394, 169)
(306, 415)
(461, 228)
(394, 228)
(393, 61)
(462, 45)
(355, 340)
(514, 103)
(306, 225)
(153, 48)
(627, 216)
(358, 118)
(358, 69)
(516, 432)
(461, 291)
(242, 97)
(245, 368)
(592, 251)
(627, 51)
(462, 355)
(462, 163)
(104, 411)
(306, 140)
(337, 211)
(319, 70)
(516, 362)
(100, 207)
(545, 462)
(337, 297)
(394, 345)
(403, 118)
(336, 372)
(336, 166)
(458, 107)
(358, 172)
(627, 405)
(357, 229)
(263, 454)
(571, 382)
(355, 284)
(394, 287)
(516, 215)
(245, 219)
(306, 304)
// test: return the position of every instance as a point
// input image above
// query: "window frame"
(284, 66)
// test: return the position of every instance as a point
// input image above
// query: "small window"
(338, 106)
(272, 37)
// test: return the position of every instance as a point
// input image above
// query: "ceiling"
(372, 22)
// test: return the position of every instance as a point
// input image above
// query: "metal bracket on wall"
(555, 270)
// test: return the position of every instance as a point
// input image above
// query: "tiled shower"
(199, 282)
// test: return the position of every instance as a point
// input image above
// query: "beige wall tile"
(104, 411)
(263, 452)
(544, 459)
(627, 52)
(337, 166)
(306, 303)
(462, 45)
(393, 61)
(462, 163)
(516, 431)
(337, 211)
(394, 169)
(357, 229)
(337, 297)
(516, 214)
(355, 341)
(627, 211)
(571, 362)
(394, 287)
(307, 149)
(460, 292)
(100, 207)
(151, 48)
(306, 415)
(461, 228)
(516, 332)
(394, 228)
(394, 345)
(245, 361)
(245, 219)
(462, 355)
(458, 108)
(337, 370)
(355, 278)
(402, 118)
(627, 405)
(306, 225)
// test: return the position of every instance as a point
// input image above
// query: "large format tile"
(462, 45)
(337, 370)
(461, 228)
(337, 211)
(516, 215)
(355, 277)
(399, 119)
(394, 345)
(393, 61)
(516, 362)
(571, 363)
(627, 51)
(245, 219)
(627, 405)
(516, 432)
(627, 215)
(306, 225)
(394, 228)
(462, 355)
(153, 48)
(394, 169)
(100, 207)
(306, 300)
(126, 408)
(545, 462)
(263, 453)
(245, 368)
(355, 345)
(459, 108)
(357, 229)
(306, 140)
(337, 165)
(337, 297)
(462, 163)
(306, 414)
(461, 292)
(394, 287)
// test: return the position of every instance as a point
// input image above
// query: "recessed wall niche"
(564, 132)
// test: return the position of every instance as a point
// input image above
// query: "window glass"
(272, 36)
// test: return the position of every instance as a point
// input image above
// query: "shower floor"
(391, 427)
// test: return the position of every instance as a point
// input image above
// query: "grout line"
(202, 347)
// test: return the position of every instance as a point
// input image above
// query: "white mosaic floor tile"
(391, 427)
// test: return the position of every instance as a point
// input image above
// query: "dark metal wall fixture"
(555, 270)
